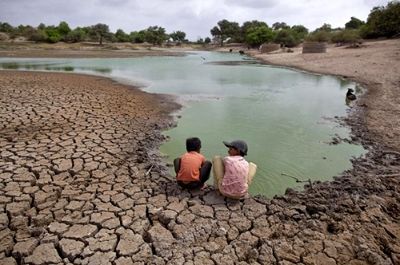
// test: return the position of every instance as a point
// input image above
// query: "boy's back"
(190, 167)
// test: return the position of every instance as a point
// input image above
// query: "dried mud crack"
(75, 151)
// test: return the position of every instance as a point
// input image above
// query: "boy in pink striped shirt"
(233, 174)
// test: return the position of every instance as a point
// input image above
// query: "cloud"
(251, 3)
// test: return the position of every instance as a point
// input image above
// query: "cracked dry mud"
(75, 151)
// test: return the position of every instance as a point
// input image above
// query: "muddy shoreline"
(78, 183)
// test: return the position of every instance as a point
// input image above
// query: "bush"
(346, 36)
(53, 35)
(38, 36)
(286, 37)
(76, 35)
(319, 36)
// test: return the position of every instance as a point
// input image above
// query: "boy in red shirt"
(192, 170)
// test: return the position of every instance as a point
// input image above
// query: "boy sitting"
(192, 170)
(233, 174)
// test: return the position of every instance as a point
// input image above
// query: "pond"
(287, 117)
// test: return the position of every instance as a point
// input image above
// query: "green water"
(285, 116)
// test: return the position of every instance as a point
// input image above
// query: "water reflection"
(55, 66)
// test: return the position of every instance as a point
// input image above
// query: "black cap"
(237, 144)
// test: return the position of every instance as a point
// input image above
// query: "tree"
(200, 40)
(280, 25)
(5, 27)
(248, 25)
(76, 35)
(257, 35)
(178, 36)
(354, 23)
(225, 30)
(300, 32)
(326, 27)
(63, 29)
(53, 35)
(155, 35)
(286, 37)
(383, 21)
(207, 40)
(42, 26)
(121, 36)
(101, 31)
(137, 37)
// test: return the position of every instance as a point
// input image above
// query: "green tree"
(207, 40)
(354, 23)
(63, 29)
(137, 36)
(121, 36)
(280, 25)
(76, 35)
(5, 27)
(53, 35)
(100, 31)
(155, 35)
(224, 30)
(248, 25)
(257, 35)
(42, 26)
(383, 21)
(178, 36)
(300, 32)
(326, 27)
(200, 41)
(287, 37)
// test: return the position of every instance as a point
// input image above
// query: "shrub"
(53, 35)
(319, 36)
(346, 36)
(286, 37)
(76, 35)
(38, 36)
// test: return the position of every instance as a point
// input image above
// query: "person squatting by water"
(233, 174)
(192, 169)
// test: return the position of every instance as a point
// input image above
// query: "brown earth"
(83, 50)
(81, 183)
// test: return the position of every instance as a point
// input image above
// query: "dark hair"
(193, 144)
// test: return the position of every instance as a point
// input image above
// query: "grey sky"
(195, 17)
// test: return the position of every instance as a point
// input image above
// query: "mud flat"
(81, 183)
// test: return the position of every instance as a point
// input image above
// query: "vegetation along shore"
(82, 181)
